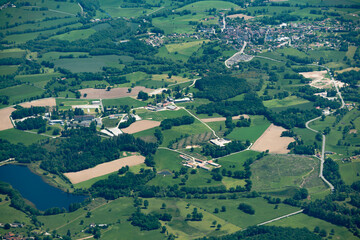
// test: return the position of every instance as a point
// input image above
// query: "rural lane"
(276, 219)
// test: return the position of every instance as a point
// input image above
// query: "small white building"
(220, 141)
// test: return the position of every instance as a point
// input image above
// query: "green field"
(17, 136)
(93, 64)
(205, 5)
(8, 70)
(75, 35)
(50, 56)
(131, 102)
(180, 51)
(12, 52)
(21, 93)
(281, 173)
(38, 80)
(350, 171)
(263, 210)
(301, 220)
(236, 160)
(286, 102)
(258, 125)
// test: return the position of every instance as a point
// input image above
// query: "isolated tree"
(146, 204)
(163, 206)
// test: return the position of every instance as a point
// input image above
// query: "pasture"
(75, 35)
(302, 220)
(236, 160)
(278, 174)
(12, 52)
(263, 210)
(92, 64)
(131, 102)
(205, 5)
(16, 136)
(8, 69)
(21, 93)
(258, 125)
(350, 171)
(38, 80)
(285, 102)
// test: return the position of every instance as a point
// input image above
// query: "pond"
(33, 188)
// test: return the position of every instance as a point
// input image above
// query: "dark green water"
(33, 188)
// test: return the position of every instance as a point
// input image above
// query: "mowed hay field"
(271, 140)
(280, 173)
(93, 93)
(139, 126)
(104, 168)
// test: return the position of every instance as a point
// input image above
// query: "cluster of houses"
(168, 104)
(192, 162)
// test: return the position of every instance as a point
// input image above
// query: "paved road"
(322, 159)
(276, 219)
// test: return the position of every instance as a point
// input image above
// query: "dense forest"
(251, 104)
(220, 87)
(84, 149)
(269, 233)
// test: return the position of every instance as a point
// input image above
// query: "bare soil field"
(5, 122)
(220, 119)
(93, 93)
(319, 80)
(271, 140)
(51, 102)
(246, 17)
(104, 168)
(139, 126)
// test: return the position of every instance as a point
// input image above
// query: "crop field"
(167, 160)
(20, 92)
(286, 102)
(184, 49)
(351, 51)
(50, 56)
(350, 171)
(236, 160)
(258, 125)
(277, 173)
(8, 70)
(161, 115)
(93, 64)
(302, 220)
(39, 80)
(13, 53)
(40, 26)
(205, 5)
(110, 123)
(165, 77)
(17, 136)
(139, 126)
(131, 102)
(177, 24)
(10, 214)
(104, 168)
(189, 229)
(75, 35)
(263, 210)
(24, 37)
(193, 140)
(181, 131)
